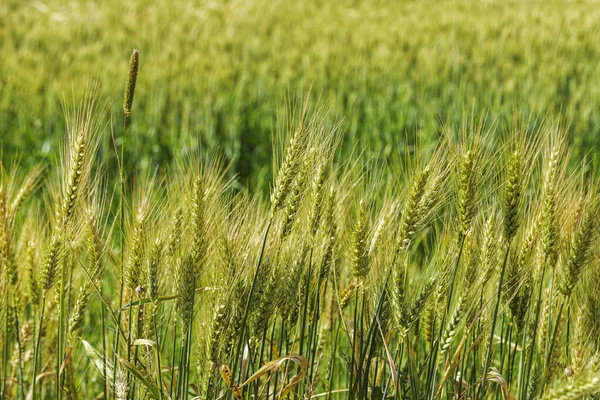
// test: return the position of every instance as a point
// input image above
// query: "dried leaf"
(494, 376)
(274, 365)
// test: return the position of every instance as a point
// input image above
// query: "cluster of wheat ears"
(472, 274)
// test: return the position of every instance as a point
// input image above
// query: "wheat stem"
(488, 357)
(249, 299)
(36, 353)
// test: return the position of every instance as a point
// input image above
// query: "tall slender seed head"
(466, 192)
(318, 195)
(410, 316)
(399, 286)
(543, 333)
(95, 246)
(579, 251)
(81, 304)
(216, 333)
(473, 261)
(32, 275)
(95, 269)
(121, 387)
(28, 185)
(289, 169)
(293, 201)
(433, 193)
(74, 180)
(152, 267)
(385, 321)
(548, 219)
(52, 260)
(382, 224)
(138, 249)
(227, 256)
(452, 326)
(428, 323)
(412, 212)
(235, 313)
(185, 286)
(554, 356)
(359, 252)
(534, 383)
(330, 217)
(591, 310)
(512, 196)
(3, 230)
(346, 294)
(579, 355)
(292, 283)
(580, 389)
(175, 233)
(518, 263)
(523, 302)
(134, 62)
(265, 300)
(331, 233)
(489, 249)
(198, 217)
(6, 258)
(520, 281)
(527, 248)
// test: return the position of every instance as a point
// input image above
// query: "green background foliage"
(444, 259)
(220, 70)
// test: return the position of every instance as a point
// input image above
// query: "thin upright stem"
(104, 367)
(6, 340)
(553, 340)
(158, 365)
(534, 335)
(488, 357)
(249, 299)
(20, 360)
(432, 362)
(37, 348)
(121, 243)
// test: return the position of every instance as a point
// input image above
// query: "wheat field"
(216, 73)
(473, 274)
(339, 259)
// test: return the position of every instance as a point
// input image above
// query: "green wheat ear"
(467, 192)
(51, 262)
(579, 252)
(134, 62)
(512, 196)
(359, 254)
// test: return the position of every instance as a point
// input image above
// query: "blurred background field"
(220, 70)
